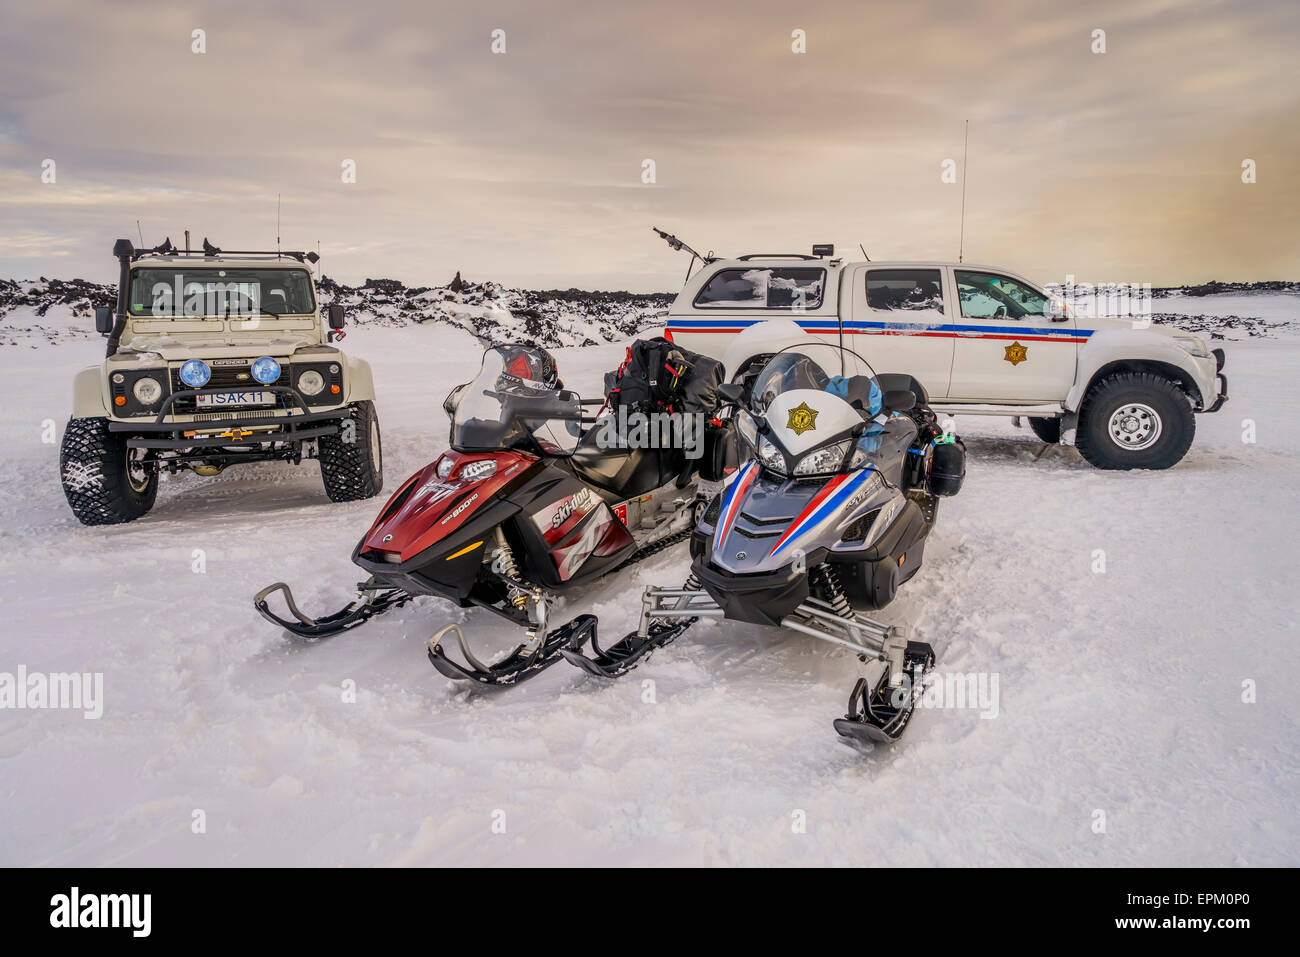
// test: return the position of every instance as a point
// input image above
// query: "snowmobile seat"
(624, 473)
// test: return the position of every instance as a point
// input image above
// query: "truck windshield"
(187, 292)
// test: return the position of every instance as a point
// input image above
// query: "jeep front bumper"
(236, 430)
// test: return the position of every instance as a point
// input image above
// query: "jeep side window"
(916, 292)
(764, 288)
(988, 296)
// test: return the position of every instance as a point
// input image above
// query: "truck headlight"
(1193, 345)
(195, 373)
(311, 382)
(265, 370)
(147, 390)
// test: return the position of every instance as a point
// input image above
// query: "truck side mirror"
(335, 314)
(103, 320)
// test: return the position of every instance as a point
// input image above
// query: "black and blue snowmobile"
(824, 521)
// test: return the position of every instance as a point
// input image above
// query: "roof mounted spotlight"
(823, 249)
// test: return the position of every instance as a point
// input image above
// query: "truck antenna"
(678, 245)
(864, 252)
(961, 236)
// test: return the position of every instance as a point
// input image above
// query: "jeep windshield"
(186, 292)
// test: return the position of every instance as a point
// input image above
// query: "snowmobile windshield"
(820, 366)
(500, 409)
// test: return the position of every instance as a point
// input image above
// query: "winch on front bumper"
(250, 427)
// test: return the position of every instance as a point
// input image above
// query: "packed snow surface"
(1141, 627)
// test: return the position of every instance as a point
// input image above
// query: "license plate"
(214, 400)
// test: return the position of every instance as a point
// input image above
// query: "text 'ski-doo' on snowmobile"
(824, 521)
(525, 505)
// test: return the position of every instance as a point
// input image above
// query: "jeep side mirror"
(899, 400)
(335, 314)
(103, 320)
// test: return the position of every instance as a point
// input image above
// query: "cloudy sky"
(526, 166)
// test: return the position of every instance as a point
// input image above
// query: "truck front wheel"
(351, 463)
(105, 482)
(1135, 420)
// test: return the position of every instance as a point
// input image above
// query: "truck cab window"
(989, 296)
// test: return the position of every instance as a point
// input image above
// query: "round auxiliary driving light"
(265, 370)
(310, 382)
(147, 390)
(195, 373)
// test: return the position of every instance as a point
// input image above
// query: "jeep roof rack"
(124, 248)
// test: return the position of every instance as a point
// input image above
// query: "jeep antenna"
(678, 245)
(961, 236)
(140, 233)
(277, 225)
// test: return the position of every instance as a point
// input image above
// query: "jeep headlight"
(1193, 345)
(311, 382)
(826, 459)
(770, 455)
(147, 390)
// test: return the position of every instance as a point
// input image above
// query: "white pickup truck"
(980, 340)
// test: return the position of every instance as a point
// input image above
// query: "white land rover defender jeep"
(979, 339)
(214, 359)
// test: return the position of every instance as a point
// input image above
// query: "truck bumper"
(1221, 382)
(239, 430)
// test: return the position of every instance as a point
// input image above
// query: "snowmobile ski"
(881, 715)
(372, 599)
(523, 663)
(622, 656)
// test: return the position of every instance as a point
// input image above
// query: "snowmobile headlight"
(311, 382)
(747, 428)
(478, 470)
(147, 390)
(195, 373)
(1193, 345)
(770, 455)
(828, 458)
(445, 465)
(265, 370)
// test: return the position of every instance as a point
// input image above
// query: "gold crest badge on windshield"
(802, 419)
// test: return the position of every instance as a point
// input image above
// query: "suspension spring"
(503, 563)
(835, 597)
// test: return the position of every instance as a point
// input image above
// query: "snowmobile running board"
(371, 600)
(885, 709)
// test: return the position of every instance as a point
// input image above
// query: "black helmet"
(532, 366)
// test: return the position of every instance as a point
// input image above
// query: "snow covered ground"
(1120, 691)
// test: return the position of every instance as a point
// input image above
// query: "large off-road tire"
(352, 463)
(1135, 420)
(104, 481)
(1047, 430)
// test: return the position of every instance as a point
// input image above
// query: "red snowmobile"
(525, 505)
